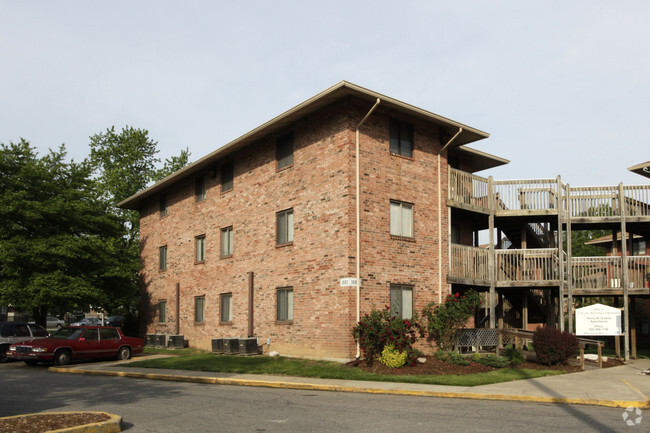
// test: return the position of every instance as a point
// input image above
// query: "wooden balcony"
(548, 197)
(540, 267)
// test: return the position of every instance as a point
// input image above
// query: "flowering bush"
(444, 320)
(553, 346)
(392, 357)
(379, 328)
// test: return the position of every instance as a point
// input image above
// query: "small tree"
(444, 320)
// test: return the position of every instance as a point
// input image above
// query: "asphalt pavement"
(624, 386)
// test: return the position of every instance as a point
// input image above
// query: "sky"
(562, 87)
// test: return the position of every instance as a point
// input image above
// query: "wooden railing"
(514, 196)
(468, 189)
(532, 265)
(637, 271)
(596, 272)
(469, 262)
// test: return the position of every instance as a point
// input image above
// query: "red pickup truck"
(77, 342)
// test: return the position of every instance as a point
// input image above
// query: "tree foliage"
(59, 244)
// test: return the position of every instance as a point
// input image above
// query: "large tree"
(60, 246)
(125, 163)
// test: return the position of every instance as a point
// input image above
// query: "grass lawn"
(325, 369)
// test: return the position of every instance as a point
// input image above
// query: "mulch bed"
(39, 423)
(434, 366)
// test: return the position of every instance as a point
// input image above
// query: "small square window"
(285, 227)
(227, 176)
(284, 151)
(401, 138)
(199, 189)
(162, 252)
(401, 301)
(226, 242)
(200, 249)
(199, 309)
(164, 205)
(162, 311)
(401, 219)
(285, 304)
(226, 308)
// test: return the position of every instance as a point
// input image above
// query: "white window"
(226, 242)
(285, 227)
(199, 309)
(200, 249)
(401, 219)
(226, 308)
(285, 304)
(401, 301)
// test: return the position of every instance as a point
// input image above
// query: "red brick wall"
(320, 188)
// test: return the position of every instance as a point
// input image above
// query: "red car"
(77, 342)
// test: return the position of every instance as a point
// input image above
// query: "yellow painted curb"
(112, 425)
(339, 388)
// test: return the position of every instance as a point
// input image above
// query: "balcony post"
(624, 276)
(491, 255)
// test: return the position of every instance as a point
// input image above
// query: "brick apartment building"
(259, 238)
(255, 238)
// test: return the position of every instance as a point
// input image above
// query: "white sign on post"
(598, 319)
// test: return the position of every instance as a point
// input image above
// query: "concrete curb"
(368, 390)
(112, 425)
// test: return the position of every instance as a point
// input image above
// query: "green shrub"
(514, 355)
(553, 346)
(444, 320)
(392, 357)
(493, 361)
(379, 328)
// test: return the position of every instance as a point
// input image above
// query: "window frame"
(163, 205)
(225, 299)
(399, 134)
(227, 234)
(398, 310)
(227, 182)
(284, 298)
(199, 249)
(284, 151)
(200, 191)
(199, 309)
(162, 311)
(400, 224)
(162, 258)
(284, 220)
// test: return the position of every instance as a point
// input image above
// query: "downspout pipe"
(460, 130)
(358, 222)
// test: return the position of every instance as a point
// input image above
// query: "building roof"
(481, 160)
(606, 241)
(328, 96)
(643, 169)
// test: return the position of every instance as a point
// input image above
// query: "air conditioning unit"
(176, 341)
(151, 340)
(217, 346)
(248, 346)
(231, 346)
(160, 340)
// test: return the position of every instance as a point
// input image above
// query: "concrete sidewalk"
(624, 386)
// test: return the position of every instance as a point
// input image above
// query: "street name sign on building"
(348, 282)
(598, 319)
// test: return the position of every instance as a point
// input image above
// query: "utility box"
(248, 346)
(176, 341)
(231, 346)
(217, 346)
(151, 340)
(160, 340)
